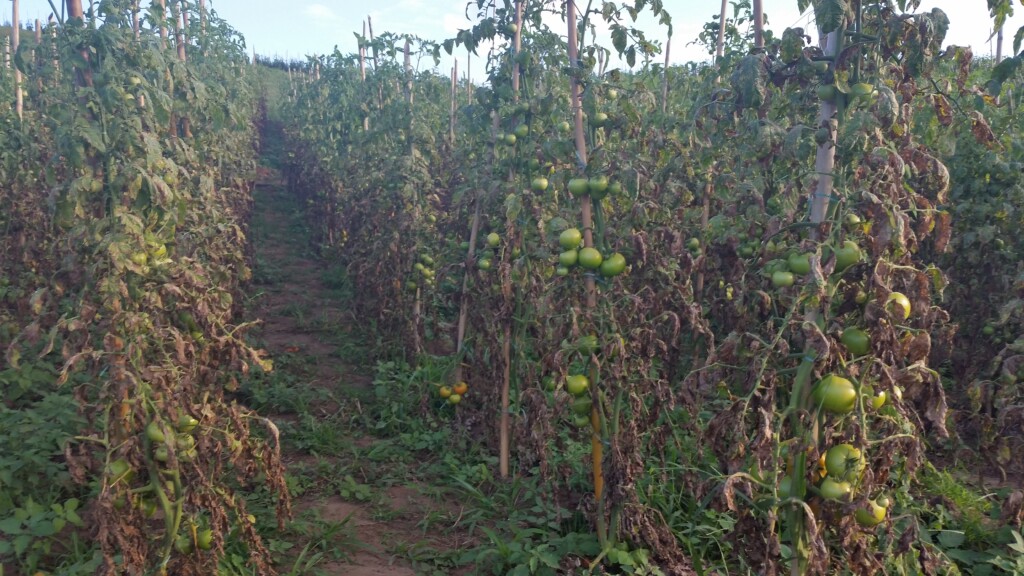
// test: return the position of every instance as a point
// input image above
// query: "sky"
(317, 26)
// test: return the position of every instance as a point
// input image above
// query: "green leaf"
(830, 14)
(951, 538)
(21, 544)
(10, 525)
(619, 39)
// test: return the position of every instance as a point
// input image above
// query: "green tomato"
(598, 186)
(582, 405)
(570, 239)
(782, 279)
(590, 258)
(579, 186)
(844, 462)
(568, 258)
(539, 184)
(835, 490)
(613, 266)
(493, 240)
(847, 256)
(856, 341)
(522, 131)
(835, 394)
(155, 432)
(799, 263)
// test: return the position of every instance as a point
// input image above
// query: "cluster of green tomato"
(588, 258)
(425, 270)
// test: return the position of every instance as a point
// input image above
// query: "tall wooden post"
(590, 286)
(999, 45)
(720, 49)
(759, 23)
(664, 76)
(19, 103)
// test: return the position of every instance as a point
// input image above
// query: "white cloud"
(320, 12)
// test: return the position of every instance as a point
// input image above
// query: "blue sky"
(316, 26)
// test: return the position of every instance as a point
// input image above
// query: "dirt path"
(366, 519)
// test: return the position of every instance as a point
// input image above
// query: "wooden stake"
(506, 348)
(75, 12)
(664, 76)
(999, 45)
(369, 23)
(758, 24)
(19, 103)
(362, 72)
(596, 447)
(451, 113)
(719, 50)
(163, 24)
(135, 20)
(825, 158)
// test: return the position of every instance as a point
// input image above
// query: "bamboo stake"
(589, 285)
(19, 103)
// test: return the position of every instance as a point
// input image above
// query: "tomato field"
(352, 315)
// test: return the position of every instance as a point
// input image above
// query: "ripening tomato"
(873, 514)
(898, 305)
(577, 384)
(460, 388)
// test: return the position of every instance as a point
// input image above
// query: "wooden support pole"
(19, 102)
